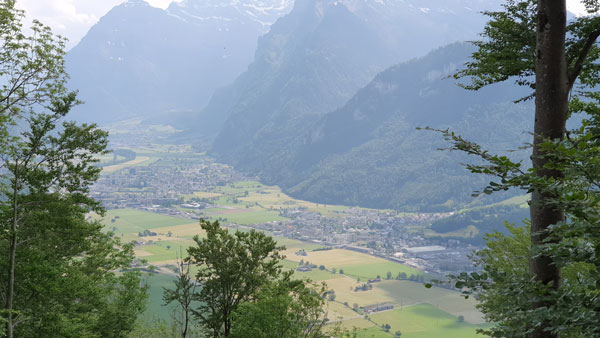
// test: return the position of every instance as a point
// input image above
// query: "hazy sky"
(73, 18)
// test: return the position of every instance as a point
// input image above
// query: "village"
(162, 184)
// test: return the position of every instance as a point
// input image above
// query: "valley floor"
(157, 199)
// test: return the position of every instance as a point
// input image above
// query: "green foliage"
(240, 290)
(507, 49)
(283, 309)
(62, 276)
(232, 268)
(487, 219)
(506, 289)
(510, 294)
(182, 295)
(156, 328)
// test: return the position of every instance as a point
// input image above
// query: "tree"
(232, 270)
(183, 294)
(531, 38)
(47, 166)
(285, 308)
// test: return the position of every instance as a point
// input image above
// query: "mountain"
(282, 120)
(143, 61)
(369, 153)
(315, 58)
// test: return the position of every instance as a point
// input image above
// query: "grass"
(314, 275)
(404, 293)
(354, 264)
(423, 321)
(154, 308)
(336, 258)
(162, 251)
(466, 232)
(262, 197)
(183, 230)
(369, 271)
(251, 217)
(146, 163)
(273, 197)
(138, 161)
(134, 221)
(447, 300)
(344, 290)
(290, 243)
(520, 200)
(202, 194)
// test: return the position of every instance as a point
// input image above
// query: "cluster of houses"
(159, 187)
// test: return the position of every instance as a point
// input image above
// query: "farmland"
(168, 188)
(415, 307)
(420, 321)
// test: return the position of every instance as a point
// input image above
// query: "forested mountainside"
(294, 117)
(147, 62)
(369, 153)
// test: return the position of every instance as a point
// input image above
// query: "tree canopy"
(541, 283)
(61, 274)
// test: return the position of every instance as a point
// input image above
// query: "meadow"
(420, 321)
(355, 264)
(139, 161)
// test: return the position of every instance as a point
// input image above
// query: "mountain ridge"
(141, 61)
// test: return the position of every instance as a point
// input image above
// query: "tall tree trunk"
(551, 108)
(12, 254)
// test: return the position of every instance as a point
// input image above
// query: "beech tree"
(531, 42)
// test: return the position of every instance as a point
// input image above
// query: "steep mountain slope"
(143, 61)
(369, 152)
(310, 63)
(315, 58)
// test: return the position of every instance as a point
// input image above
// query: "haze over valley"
(336, 168)
(294, 118)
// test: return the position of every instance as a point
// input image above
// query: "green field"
(367, 271)
(162, 251)
(133, 221)
(355, 264)
(314, 275)
(252, 217)
(155, 308)
(420, 312)
(420, 321)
